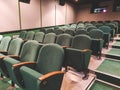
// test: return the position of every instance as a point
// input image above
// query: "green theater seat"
(49, 38)
(39, 36)
(97, 41)
(46, 74)
(23, 34)
(5, 44)
(107, 34)
(13, 51)
(64, 39)
(28, 54)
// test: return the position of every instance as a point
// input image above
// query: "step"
(116, 45)
(109, 71)
(102, 85)
(113, 53)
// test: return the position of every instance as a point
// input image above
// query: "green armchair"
(28, 54)
(46, 73)
(13, 51)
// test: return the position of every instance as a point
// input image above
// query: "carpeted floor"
(110, 67)
(116, 43)
(102, 86)
(114, 51)
(4, 84)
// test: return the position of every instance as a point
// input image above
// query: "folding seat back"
(5, 43)
(81, 42)
(81, 32)
(56, 57)
(39, 36)
(98, 25)
(30, 35)
(96, 34)
(97, 41)
(29, 51)
(48, 64)
(113, 29)
(73, 26)
(43, 30)
(89, 28)
(88, 24)
(50, 31)
(107, 34)
(80, 25)
(49, 38)
(105, 29)
(71, 32)
(23, 34)
(77, 59)
(15, 46)
(59, 31)
(64, 39)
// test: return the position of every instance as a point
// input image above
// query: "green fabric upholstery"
(105, 29)
(83, 31)
(50, 31)
(71, 32)
(59, 31)
(28, 53)
(30, 35)
(14, 49)
(73, 26)
(49, 38)
(80, 25)
(116, 26)
(5, 43)
(96, 47)
(97, 41)
(43, 30)
(55, 58)
(30, 79)
(96, 34)
(64, 39)
(47, 61)
(39, 36)
(15, 46)
(81, 42)
(89, 28)
(23, 34)
(77, 58)
(107, 34)
(112, 26)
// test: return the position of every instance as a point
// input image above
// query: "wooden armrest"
(100, 39)
(3, 51)
(50, 74)
(22, 63)
(13, 56)
(85, 50)
(65, 47)
(1, 57)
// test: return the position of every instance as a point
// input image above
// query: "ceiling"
(85, 1)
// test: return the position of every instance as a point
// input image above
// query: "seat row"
(35, 66)
(96, 36)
